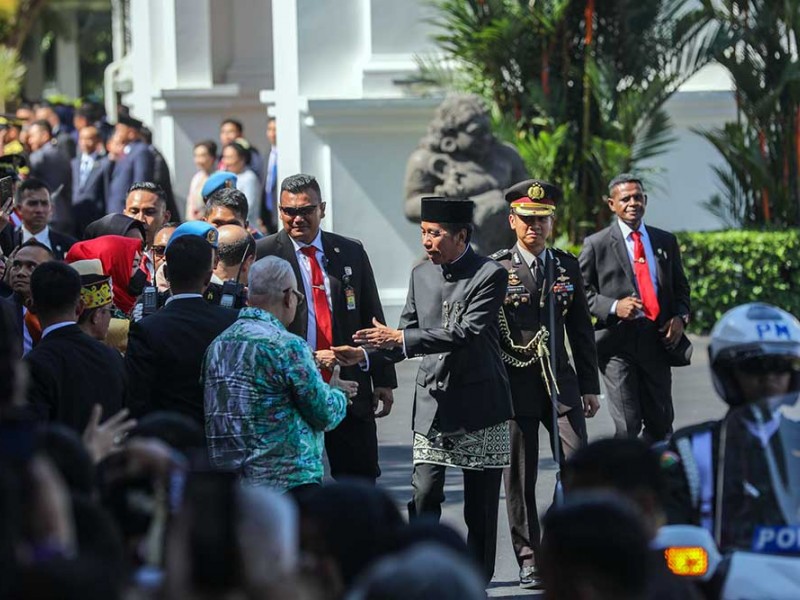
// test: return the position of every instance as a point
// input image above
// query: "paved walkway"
(694, 400)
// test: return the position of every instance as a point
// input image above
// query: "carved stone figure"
(459, 157)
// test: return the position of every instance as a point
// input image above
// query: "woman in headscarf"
(121, 258)
(115, 224)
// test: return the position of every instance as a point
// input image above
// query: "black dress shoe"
(529, 578)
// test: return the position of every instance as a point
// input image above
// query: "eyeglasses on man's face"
(299, 295)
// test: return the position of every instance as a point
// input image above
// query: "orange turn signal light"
(687, 561)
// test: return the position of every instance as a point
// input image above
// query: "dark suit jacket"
(12, 312)
(95, 188)
(341, 252)
(70, 372)
(165, 356)
(51, 165)
(450, 320)
(136, 165)
(525, 315)
(60, 243)
(89, 200)
(162, 177)
(608, 276)
(66, 143)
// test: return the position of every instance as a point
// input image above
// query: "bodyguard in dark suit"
(347, 301)
(165, 350)
(34, 207)
(69, 371)
(541, 281)
(91, 176)
(462, 399)
(12, 313)
(136, 164)
(639, 294)
(50, 164)
(161, 174)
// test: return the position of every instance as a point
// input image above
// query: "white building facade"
(328, 70)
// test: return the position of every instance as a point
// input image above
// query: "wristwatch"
(685, 319)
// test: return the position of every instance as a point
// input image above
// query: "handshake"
(379, 337)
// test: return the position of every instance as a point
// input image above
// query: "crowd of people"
(169, 389)
(89, 164)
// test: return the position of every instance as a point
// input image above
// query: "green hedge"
(728, 268)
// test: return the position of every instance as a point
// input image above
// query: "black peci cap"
(447, 210)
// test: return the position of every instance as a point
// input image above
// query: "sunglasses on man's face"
(159, 250)
(302, 211)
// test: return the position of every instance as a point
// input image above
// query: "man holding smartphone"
(34, 208)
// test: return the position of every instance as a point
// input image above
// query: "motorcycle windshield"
(758, 486)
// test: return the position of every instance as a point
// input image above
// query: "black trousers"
(481, 502)
(352, 449)
(520, 478)
(639, 386)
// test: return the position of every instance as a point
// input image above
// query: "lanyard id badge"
(350, 297)
(349, 292)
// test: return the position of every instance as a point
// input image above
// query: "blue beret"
(197, 228)
(217, 181)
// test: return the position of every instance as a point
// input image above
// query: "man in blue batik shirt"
(266, 404)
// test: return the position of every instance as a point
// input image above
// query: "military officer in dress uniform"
(541, 280)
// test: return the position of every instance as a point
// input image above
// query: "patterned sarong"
(477, 450)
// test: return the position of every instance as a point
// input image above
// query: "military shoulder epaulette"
(500, 254)
(564, 252)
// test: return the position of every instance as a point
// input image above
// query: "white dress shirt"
(305, 271)
(54, 326)
(43, 237)
(27, 340)
(86, 165)
(182, 297)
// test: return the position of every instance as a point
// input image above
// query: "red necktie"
(643, 279)
(322, 311)
(33, 326)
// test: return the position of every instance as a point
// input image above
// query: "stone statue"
(459, 157)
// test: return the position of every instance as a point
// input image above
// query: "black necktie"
(538, 275)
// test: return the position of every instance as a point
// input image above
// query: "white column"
(34, 78)
(288, 102)
(68, 79)
(143, 22)
(118, 29)
(193, 44)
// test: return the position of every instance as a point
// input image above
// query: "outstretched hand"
(380, 336)
(350, 388)
(348, 356)
(325, 359)
(106, 438)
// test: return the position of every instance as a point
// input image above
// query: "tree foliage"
(11, 73)
(728, 268)
(759, 182)
(578, 86)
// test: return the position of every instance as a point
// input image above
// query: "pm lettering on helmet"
(773, 330)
